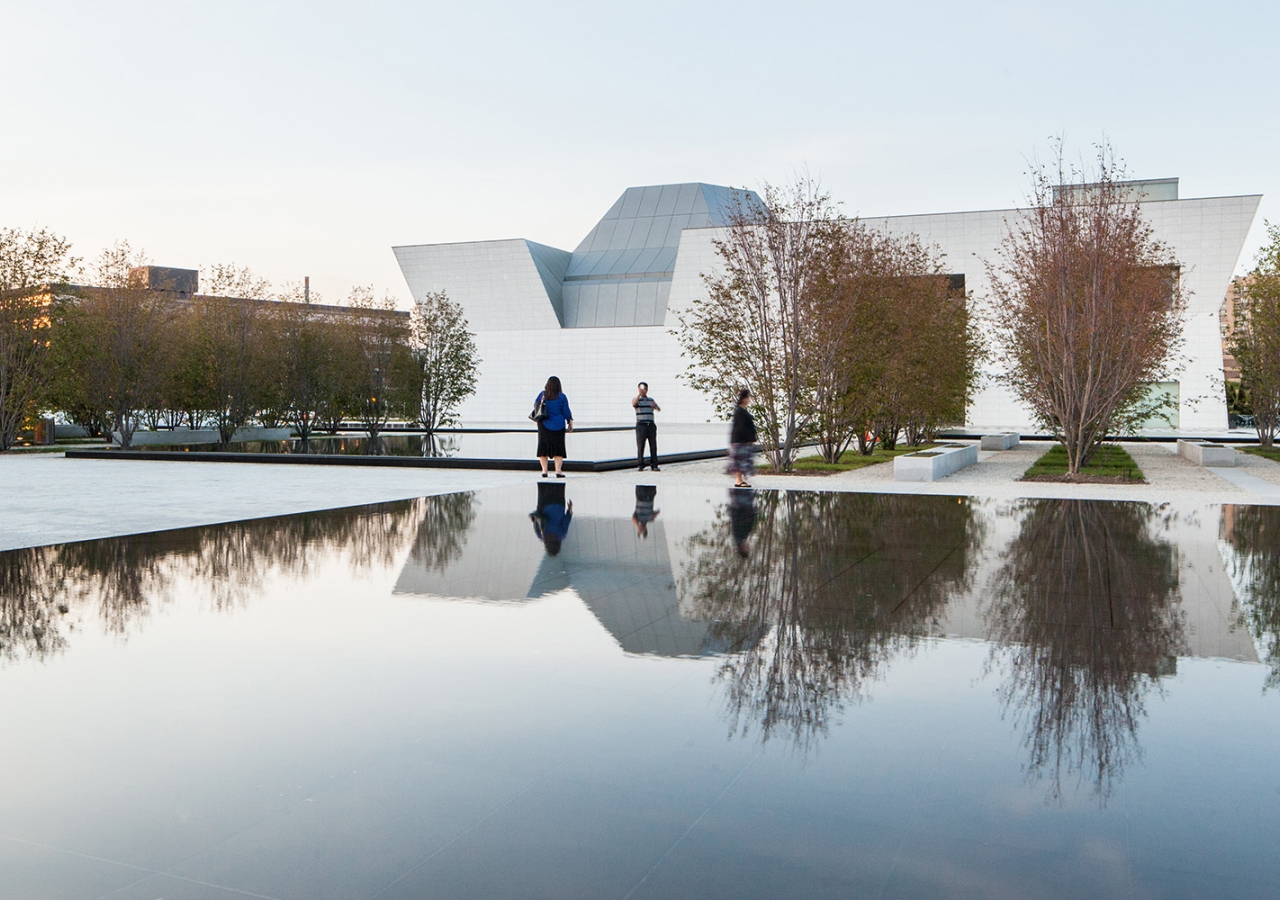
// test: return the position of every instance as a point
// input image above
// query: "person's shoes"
(654, 469)
(559, 474)
(544, 474)
(641, 469)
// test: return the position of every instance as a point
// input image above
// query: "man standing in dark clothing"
(646, 427)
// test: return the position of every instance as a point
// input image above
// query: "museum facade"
(603, 316)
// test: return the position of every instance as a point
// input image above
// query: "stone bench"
(1005, 441)
(1204, 453)
(938, 462)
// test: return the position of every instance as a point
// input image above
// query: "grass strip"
(849, 460)
(1110, 461)
(1271, 453)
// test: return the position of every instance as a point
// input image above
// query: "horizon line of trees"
(116, 357)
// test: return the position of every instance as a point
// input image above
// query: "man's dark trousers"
(647, 431)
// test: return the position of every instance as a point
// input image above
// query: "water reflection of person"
(645, 513)
(742, 518)
(552, 517)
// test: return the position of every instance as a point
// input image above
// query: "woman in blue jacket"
(551, 430)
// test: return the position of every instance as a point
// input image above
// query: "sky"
(309, 138)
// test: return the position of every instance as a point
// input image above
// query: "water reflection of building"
(631, 585)
(628, 583)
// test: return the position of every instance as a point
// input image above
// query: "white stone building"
(602, 317)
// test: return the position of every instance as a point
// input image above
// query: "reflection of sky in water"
(906, 693)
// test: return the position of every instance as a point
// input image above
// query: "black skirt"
(550, 443)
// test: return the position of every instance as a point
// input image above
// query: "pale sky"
(309, 138)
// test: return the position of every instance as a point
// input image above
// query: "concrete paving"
(996, 474)
(48, 499)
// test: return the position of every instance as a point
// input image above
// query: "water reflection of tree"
(30, 615)
(1084, 611)
(442, 531)
(835, 586)
(122, 580)
(1253, 535)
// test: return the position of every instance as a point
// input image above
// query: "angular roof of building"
(619, 275)
(640, 234)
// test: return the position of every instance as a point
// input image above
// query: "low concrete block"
(1203, 453)
(938, 462)
(1004, 441)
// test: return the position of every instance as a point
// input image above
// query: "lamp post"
(376, 412)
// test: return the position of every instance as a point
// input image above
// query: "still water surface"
(692, 693)
(582, 445)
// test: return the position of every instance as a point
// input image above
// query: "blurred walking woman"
(552, 428)
(742, 442)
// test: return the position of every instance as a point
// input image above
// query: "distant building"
(183, 286)
(602, 316)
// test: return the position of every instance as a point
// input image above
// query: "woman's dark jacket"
(743, 430)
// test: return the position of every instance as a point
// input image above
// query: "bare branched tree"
(1086, 304)
(751, 329)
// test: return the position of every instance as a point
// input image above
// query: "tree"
(376, 336)
(184, 395)
(307, 366)
(29, 262)
(115, 334)
(1086, 305)
(1256, 341)
(230, 280)
(751, 328)
(849, 349)
(440, 366)
(894, 346)
(232, 359)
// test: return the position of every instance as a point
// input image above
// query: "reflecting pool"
(588, 445)
(587, 689)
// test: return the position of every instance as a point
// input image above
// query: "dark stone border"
(404, 462)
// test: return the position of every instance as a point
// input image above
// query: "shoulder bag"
(539, 413)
